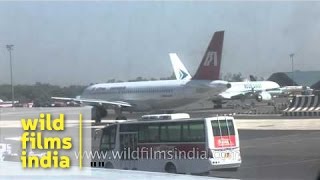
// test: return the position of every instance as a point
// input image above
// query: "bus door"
(96, 140)
(128, 149)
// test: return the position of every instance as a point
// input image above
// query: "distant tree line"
(42, 92)
(142, 79)
(39, 92)
(238, 77)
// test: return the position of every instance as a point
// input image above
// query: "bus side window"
(142, 133)
(170, 132)
(149, 133)
(129, 128)
(108, 139)
(113, 138)
(193, 132)
(163, 133)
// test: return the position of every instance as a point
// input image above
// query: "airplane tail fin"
(209, 68)
(180, 70)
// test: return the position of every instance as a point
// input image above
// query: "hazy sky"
(82, 42)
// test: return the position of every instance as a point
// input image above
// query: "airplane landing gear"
(121, 118)
(119, 115)
(98, 112)
(217, 104)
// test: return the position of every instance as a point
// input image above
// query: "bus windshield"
(222, 127)
(223, 132)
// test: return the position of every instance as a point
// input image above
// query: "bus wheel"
(170, 168)
(109, 165)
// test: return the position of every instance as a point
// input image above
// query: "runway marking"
(280, 164)
(291, 140)
(267, 125)
(278, 124)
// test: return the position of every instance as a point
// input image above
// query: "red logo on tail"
(209, 68)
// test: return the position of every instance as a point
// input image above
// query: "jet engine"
(263, 96)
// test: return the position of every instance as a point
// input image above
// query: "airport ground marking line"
(281, 164)
(286, 136)
(278, 142)
(282, 140)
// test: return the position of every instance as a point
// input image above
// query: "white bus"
(174, 146)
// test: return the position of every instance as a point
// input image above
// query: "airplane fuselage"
(156, 95)
(241, 88)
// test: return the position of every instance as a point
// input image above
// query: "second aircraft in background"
(260, 90)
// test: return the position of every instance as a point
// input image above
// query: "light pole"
(291, 57)
(10, 48)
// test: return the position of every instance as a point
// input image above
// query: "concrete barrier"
(303, 105)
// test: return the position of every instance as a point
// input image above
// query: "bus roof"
(147, 115)
(170, 121)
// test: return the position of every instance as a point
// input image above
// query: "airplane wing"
(94, 101)
(232, 95)
(239, 95)
(236, 95)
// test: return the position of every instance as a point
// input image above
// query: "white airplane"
(261, 90)
(6, 104)
(162, 95)
(289, 90)
(292, 90)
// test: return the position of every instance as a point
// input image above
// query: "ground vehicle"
(165, 116)
(175, 146)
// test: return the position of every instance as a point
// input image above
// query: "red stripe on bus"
(224, 141)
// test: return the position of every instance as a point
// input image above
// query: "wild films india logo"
(35, 138)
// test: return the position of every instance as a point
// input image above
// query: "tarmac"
(270, 148)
